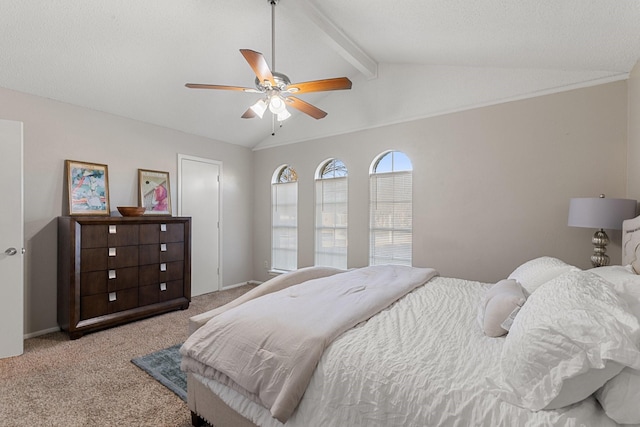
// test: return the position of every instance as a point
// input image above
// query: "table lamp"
(600, 213)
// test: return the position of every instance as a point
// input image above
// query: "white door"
(11, 240)
(199, 198)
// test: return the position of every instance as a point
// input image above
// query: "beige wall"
(491, 185)
(55, 131)
(633, 126)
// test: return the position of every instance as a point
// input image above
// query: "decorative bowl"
(131, 210)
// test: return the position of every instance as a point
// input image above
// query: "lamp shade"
(276, 104)
(600, 212)
(259, 107)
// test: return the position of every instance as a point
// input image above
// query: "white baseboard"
(250, 282)
(42, 332)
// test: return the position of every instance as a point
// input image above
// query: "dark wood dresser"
(113, 270)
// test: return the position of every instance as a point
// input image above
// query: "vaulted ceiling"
(407, 59)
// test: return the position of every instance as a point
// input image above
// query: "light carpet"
(92, 382)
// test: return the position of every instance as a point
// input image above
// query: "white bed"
(426, 361)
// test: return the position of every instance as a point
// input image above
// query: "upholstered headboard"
(631, 243)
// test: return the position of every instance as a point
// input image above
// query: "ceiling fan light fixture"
(276, 104)
(259, 107)
(278, 107)
(283, 115)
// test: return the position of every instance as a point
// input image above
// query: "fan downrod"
(277, 86)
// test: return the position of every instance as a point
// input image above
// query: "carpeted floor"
(92, 382)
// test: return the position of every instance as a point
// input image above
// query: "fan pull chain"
(273, 125)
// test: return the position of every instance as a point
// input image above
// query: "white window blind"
(331, 222)
(284, 249)
(391, 218)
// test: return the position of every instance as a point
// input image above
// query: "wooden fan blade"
(338, 83)
(258, 65)
(249, 114)
(203, 86)
(305, 107)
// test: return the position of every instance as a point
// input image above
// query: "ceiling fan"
(276, 87)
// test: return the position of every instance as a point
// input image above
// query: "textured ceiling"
(421, 57)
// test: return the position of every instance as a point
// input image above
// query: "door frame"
(220, 210)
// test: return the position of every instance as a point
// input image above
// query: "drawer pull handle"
(163, 247)
(163, 227)
(112, 274)
(112, 251)
(112, 296)
(112, 229)
(163, 267)
(163, 286)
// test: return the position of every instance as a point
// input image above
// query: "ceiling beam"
(338, 39)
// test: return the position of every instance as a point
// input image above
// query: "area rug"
(164, 366)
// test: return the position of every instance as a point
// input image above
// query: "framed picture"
(154, 192)
(87, 188)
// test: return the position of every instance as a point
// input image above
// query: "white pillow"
(614, 272)
(619, 397)
(499, 306)
(534, 273)
(573, 334)
(625, 281)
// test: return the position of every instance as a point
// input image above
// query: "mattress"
(423, 361)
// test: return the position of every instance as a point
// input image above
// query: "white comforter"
(270, 346)
(421, 362)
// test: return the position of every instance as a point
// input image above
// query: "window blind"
(391, 218)
(284, 216)
(331, 222)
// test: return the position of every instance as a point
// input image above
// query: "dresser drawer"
(124, 300)
(122, 278)
(175, 289)
(100, 236)
(94, 259)
(164, 291)
(93, 236)
(161, 233)
(94, 306)
(108, 258)
(122, 256)
(95, 282)
(161, 252)
(164, 272)
(107, 303)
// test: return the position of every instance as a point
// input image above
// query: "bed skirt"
(205, 404)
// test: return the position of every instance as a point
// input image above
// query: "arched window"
(284, 219)
(331, 214)
(390, 218)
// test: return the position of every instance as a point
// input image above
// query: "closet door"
(11, 240)
(199, 198)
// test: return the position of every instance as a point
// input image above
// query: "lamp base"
(600, 241)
